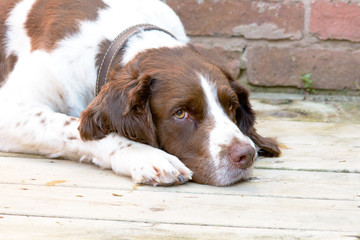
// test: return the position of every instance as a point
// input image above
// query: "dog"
(116, 83)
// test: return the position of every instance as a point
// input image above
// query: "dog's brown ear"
(268, 146)
(122, 106)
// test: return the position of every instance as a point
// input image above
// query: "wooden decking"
(311, 192)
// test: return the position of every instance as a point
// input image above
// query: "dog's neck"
(148, 40)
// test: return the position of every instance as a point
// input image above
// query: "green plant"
(308, 82)
(357, 85)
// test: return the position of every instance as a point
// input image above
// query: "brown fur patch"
(269, 147)
(7, 63)
(50, 21)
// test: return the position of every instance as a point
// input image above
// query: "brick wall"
(273, 43)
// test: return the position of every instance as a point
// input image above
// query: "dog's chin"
(226, 177)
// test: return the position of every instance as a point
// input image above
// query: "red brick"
(222, 53)
(226, 59)
(335, 20)
(251, 19)
(284, 67)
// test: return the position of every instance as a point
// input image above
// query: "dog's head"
(177, 100)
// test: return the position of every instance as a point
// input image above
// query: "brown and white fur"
(167, 114)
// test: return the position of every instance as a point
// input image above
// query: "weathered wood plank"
(294, 128)
(292, 184)
(181, 208)
(313, 146)
(39, 228)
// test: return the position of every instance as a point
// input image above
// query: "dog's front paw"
(157, 167)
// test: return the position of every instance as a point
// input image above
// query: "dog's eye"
(180, 114)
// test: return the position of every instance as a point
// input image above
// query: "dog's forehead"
(178, 77)
(184, 63)
(190, 85)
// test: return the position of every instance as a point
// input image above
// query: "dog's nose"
(242, 155)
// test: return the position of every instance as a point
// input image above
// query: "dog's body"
(163, 99)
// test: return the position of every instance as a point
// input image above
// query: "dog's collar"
(115, 47)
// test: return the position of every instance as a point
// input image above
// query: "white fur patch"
(223, 133)
(20, 42)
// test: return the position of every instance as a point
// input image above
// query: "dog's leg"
(29, 129)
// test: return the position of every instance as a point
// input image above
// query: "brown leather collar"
(115, 47)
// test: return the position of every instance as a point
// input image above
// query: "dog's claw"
(181, 179)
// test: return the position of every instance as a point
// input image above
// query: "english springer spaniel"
(117, 83)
